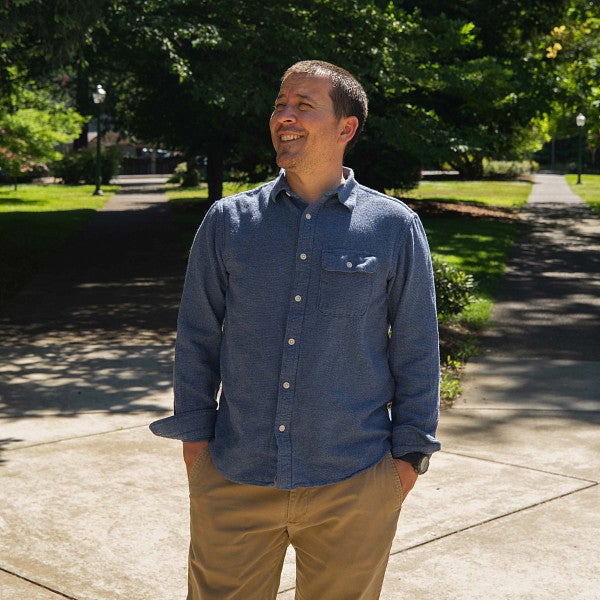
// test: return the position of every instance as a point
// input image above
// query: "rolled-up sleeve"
(197, 377)
(414, 346)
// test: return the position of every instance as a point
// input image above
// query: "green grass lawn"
(479, 245)
(588, 190)
(35, 221)
(477, 239)
(503, 194)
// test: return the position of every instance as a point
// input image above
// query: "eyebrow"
(303, 96)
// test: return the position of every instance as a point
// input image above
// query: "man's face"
(304, 128)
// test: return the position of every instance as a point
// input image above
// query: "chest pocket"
(346, 283)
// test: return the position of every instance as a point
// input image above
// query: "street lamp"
(99, 96)
(580, 120)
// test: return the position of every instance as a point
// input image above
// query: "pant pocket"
(199, 466)
(395, 478)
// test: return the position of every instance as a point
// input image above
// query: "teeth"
(289, 137)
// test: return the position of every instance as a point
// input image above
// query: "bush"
(72, 168)
(186, 177)
(31, 172)
(191, 178)
(80, 167)
(507, 169)
(453, 289)
(179, 173)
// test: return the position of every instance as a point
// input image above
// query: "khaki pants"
(342, 534)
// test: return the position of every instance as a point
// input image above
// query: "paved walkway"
(93, 507)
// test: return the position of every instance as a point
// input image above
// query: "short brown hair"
(347, 94)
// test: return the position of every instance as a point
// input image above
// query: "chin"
(285, 163)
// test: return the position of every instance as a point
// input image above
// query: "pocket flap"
(349, 262)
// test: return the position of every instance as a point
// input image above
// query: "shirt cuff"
(192, 426)
(407, 439)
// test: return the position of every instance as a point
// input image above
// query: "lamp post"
(580, 120)
(99, 96)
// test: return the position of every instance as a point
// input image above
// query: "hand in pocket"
(191, 452)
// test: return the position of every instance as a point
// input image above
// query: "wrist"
(418, 460)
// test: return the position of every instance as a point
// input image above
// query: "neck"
(310, 189)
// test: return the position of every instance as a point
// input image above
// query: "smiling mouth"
(289, 137)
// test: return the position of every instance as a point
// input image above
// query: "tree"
(208, 57)
(31, 131)
(446, 83)
(218, 65)
(490, 92)
(39, 36)
(40, 40)
(569, 56)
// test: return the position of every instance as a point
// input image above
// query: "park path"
(117, 277)
(93, 507)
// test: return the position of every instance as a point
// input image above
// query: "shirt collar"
(346, 192)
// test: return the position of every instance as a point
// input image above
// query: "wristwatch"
(420, 462)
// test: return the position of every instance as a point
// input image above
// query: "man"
(304, 420)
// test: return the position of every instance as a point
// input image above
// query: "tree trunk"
(82, 102)
(214, 172)
(82, 140)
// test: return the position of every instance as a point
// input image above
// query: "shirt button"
(291, 341)
(349, 264)
(286, 385)
(282, 428)
(303, 256)
(298, 298)
(308, 216)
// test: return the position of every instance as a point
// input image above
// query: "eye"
(304, 106)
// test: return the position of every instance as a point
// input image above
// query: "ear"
(349, 126)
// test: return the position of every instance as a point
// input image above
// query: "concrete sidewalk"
(521, 463)
(93, 507)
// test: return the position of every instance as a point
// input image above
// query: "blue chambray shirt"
(283, 358)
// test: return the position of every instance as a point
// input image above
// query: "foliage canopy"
(449, 82)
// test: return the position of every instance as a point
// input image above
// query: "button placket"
(291, 346)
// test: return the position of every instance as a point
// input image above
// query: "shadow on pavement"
(94, 333)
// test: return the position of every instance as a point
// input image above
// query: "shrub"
(27, 174)
(191, 178)
(507, 169)
(186, 177)
(453, 289)
(80, 167)
(72, 167)
(178, 173)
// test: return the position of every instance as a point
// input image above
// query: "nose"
(285, 114)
